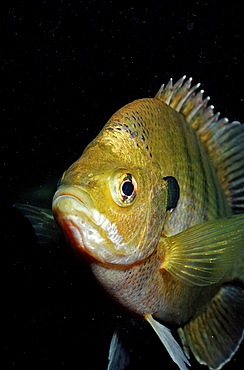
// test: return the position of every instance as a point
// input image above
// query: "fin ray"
(41, 219)
(215, 335)
(203, 254)
(223, 140)
(118, 356)
(169, 342)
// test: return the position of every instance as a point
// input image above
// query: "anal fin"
(215, 335)
(169, 342)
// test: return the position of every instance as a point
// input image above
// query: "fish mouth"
(74, 211)
(73, 200)
(89, 231)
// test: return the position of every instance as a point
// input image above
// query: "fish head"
(111, 204)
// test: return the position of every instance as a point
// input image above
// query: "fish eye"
(123, 188)
(60, 179)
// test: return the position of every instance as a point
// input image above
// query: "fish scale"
(188, 148)
(170, 247)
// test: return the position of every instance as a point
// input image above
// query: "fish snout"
(73, 211)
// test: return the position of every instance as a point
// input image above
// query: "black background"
(66, 67)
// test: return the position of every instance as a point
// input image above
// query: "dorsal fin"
(223, 140)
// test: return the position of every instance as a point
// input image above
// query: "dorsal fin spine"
(223, 140)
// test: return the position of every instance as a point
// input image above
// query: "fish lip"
(75, 212)
(76, 221)
(73, 192)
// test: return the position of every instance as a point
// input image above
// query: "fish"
(155, 206)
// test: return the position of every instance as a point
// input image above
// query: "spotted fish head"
(110, 203)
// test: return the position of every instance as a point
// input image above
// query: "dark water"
(66, 67)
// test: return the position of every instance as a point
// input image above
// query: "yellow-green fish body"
(151, 205)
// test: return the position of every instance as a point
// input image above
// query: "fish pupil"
(127, 188)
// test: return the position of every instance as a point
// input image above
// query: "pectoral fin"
(202, 254)
(169, 342)
(41, 219)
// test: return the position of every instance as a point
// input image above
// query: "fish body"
(155, 205)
